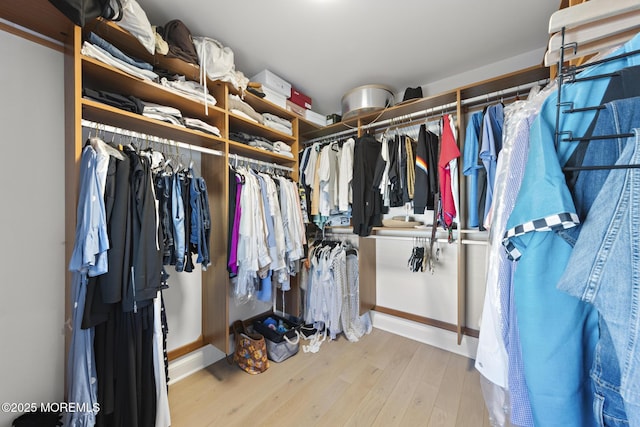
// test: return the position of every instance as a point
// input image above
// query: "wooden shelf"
(506, 81)
(126, 42)
(306, 127)
(241, 124)
(262, 105)
(102, 113)
(39, 16)
(397, 111)
(259, 154)
(100, 76)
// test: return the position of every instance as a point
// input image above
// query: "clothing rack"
(332, 137)
(568, 74)
(146, 137)
(165, 141)
(256, 162)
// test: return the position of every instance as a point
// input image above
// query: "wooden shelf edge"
(102, 113)
(263, 128)
(236, 147)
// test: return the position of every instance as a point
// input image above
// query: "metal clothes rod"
(332, 136)
(236, 158)
(129, 133)
(405, 238)
(407, 118)
(500, 93)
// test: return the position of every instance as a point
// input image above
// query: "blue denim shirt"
(603, 267)
(558, 332)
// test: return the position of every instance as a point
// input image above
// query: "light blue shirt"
(91, 226)
(470, 166)
(490, 146)
(558, 332)
(91, 241)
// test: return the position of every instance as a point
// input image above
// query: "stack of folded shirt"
(163, 113)
(252, 140)
(100, 49)
(277, 123)
(128, 103)
(238, 107)
(188, 88)
(200, 125)
(282, 149)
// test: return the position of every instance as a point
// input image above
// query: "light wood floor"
(382, 380)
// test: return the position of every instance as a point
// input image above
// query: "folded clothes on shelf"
(96, 40)
(281, 147)
(188, 88)
(162, 112)
(278, 123)
(200, 125)
(128, 103)
(236, 105)
(102, 55)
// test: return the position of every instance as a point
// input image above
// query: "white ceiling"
(327, 47)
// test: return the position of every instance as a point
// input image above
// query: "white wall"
(31, 223)
(525, 60)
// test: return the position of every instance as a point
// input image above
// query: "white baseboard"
(431, 335)
(193, 362)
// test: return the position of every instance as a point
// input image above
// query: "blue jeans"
(608, 406)
(177, 215)
(205, 213)
(163, 194)
(117, 53)
(603, 268)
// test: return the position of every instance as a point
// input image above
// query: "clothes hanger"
(98, 143)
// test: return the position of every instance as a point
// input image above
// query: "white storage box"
(267, 78)
(275, 97)
(316, 118)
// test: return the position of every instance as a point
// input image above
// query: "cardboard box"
(316, 118)
(274, 96)
(295, 108)
(280, 85)
(300, 98)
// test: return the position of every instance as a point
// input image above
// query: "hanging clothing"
(236, 181)
(91, 241)
(410, 167)
(490, 146)
(426, 167)
(332, 291)
(470, 167)
(345, 179)
(603, 199)
(554, 326)
(499, 356)
(269, 225)
(447, 166)
(367, 202)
